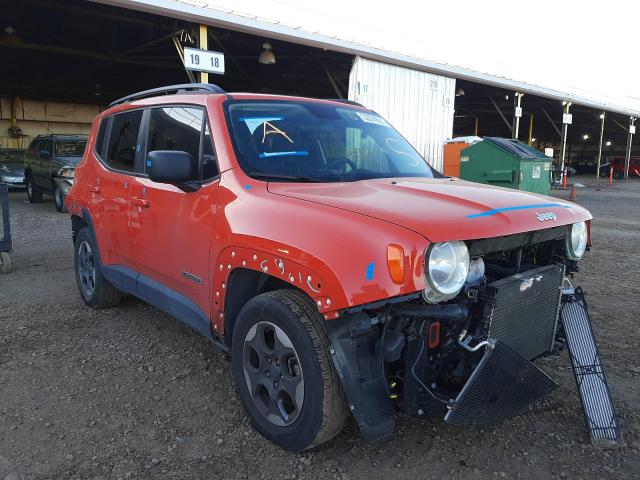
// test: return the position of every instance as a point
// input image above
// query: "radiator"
(522, 310)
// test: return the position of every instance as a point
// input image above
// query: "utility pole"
(566, 121)
(600, 146)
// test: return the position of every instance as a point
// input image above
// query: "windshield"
(317, 142)
(70, 148)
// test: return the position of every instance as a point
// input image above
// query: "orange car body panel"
(329, 240)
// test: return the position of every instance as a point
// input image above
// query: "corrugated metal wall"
(418, 104)
(35, 117)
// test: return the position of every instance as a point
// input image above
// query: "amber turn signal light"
(395, 262)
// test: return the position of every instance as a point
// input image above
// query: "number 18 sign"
(203, 60)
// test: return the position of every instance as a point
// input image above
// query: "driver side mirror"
(174, 167)
(171, 166)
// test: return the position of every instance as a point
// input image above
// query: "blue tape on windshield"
(262, 119)
(488, 213)
(298, 153)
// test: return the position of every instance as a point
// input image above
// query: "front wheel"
(95, 290)
(283, 372)
(58, 197)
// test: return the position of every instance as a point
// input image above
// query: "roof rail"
(344, 100)
(185, 87)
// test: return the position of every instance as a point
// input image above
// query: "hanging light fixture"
(460, 92)
(266, 56)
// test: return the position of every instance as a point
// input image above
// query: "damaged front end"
(468, 359)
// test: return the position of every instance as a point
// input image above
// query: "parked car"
(12, 167)
(619, 163)
(309, 240)
(49, 166)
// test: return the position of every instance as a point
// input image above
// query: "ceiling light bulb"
(266, 56)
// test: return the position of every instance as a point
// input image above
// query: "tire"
(58, 198)
(34, 194)
(95, 290)
(309, 419)
(5, 262)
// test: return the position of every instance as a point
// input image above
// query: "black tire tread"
(36, 193)
(105, 295)
(334, 407)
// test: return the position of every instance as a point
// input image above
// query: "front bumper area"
(64, 184)
(13, 181)
(468, 361)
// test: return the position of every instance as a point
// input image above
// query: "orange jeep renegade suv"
(308, 238)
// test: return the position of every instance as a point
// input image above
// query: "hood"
(441, 209)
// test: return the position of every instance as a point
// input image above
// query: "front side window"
(184, 129)
(123, 141)
(320, 142)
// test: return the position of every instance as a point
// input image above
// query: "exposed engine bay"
(469, 358)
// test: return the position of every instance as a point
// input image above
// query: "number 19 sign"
(203, 60)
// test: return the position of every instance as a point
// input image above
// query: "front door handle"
(140, 202)
(94, 188)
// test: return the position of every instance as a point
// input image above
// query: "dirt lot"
(131, 393)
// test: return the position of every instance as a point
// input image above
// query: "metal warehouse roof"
(323, 25)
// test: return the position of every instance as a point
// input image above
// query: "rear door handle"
(95, 188)
(140, 202)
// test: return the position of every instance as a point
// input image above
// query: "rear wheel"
(283, 371)
(58, 197)
(33, 193)
(5, 262)
(95, 290)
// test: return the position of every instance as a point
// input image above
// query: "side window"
(123, 141)
(99, 147)
(181, 128)
(47, 146)
(209, 160)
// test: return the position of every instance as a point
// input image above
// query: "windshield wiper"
(275, 177)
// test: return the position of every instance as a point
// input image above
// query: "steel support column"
(627, 156)
(566, 120)
(204, 45)
(602, 115)
(530, 129)
(517, 114)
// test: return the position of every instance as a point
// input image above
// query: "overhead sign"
(203, 60)
(567, 118)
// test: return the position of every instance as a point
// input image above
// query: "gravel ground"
(131, 393)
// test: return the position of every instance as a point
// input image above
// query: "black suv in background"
(49, 166)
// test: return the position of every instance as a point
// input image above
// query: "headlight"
(66, 172)
(4, 168)
(446, 270)
(577, 240)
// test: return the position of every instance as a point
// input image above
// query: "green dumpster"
(506, 163)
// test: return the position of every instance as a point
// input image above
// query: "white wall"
(418, 104)
(35, 117)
